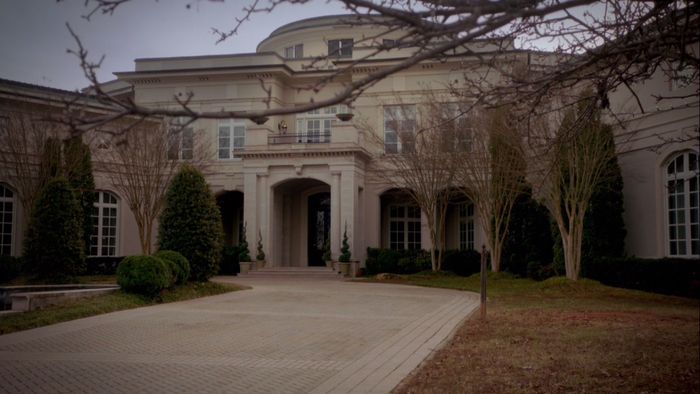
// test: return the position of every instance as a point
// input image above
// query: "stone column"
(348, 206)
(250, 207)
(263, 216)
(336, 225)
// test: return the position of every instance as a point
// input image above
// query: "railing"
(299, 138)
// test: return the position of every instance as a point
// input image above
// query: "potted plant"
(327, 253)
(244, 256)
(260, 256)
(344, 263)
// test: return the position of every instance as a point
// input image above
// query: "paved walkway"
(287, 334)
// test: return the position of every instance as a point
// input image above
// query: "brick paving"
(286, 335)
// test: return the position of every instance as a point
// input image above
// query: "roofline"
(195, 57)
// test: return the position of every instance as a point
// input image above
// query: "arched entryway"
(231, 207)
(301, 221)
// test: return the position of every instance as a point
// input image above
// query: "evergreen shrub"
(179, 266)
(146, 275)
(229, 261)
(673, 276)
(528, 246)
(54, 246)
(78, 169)
(191, 223)
(10, 267)
(461, 262)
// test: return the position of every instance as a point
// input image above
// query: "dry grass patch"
(561, 337)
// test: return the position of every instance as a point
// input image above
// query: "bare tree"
(490, 171)
(141, 159)
(570, 155)
(24, 139)
(417, 161)
(608, 43)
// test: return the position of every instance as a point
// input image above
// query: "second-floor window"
(294, 51)
(315, 126)
(399, 128)
(340, 48)
(180, 142)
(231, 138)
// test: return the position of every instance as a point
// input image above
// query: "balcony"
(299, 138)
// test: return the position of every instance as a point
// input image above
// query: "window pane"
(299, 51)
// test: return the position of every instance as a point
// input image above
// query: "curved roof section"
(320, 21)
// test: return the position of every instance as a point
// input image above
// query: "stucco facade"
(296, 187)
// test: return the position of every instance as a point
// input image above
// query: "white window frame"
(403, 221)
(295, 51)
(98, 235)
(464, 132)
(177, 135)
(317, 125)
(398, 119)
(466, 226)
(344, 45)
(678, 211)
(13, 217)
(235, 131)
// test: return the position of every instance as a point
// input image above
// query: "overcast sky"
(34, 38)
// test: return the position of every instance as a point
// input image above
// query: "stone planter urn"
(344, 268)
(245, 266)
(329, 264)
(259, 264)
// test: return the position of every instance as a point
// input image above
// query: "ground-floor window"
(682, 206)
(103, 241)
(7, 215)
(404, 227)
(466, 226)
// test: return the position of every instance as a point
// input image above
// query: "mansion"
(299, 180)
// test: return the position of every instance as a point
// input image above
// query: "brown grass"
(562, 337)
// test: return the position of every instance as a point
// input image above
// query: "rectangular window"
(404, 227)
(180, 141)
(103, 241)
(315, 126)
(340, 48)
(466, 226)
(231, 138)
(294, 51)
(388, 43)
(399, 128)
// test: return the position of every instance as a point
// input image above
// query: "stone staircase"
(300, 272)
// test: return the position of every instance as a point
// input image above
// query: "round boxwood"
(145, 275)
(178, 263)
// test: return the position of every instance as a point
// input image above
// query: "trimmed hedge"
(178, 264)
(460, 262)
(145, 275)
(672, 276)
(10, 267)
(106, 265)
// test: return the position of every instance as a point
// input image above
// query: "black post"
(484, 256)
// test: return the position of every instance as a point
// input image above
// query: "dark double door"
(319, 225)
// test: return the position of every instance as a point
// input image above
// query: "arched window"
(7, 216)
(103, 241)
(682, 205)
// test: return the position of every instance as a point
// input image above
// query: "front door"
(319, 226)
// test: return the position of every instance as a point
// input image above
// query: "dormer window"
(340, 48)
(294, 51)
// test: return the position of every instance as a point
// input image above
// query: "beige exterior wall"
(277, 179)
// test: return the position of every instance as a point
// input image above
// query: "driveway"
(286, 334)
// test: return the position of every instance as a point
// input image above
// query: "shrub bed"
(10, 268)
(145, 275)
(230, 256)
(178, 264)
(460, 262)
(103, 265)
(671, 276)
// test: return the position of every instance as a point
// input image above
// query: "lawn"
(559, 336)
(77, 309)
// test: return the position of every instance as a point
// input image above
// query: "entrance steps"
(300, 272)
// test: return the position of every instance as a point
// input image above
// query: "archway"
(300, 222)
(231, 205)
